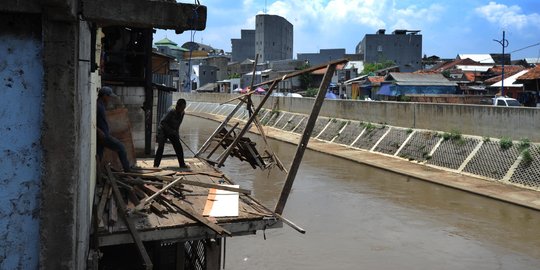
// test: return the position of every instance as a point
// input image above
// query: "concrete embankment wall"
(479, 120)
(470, 155)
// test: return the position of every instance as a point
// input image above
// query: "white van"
(506, 102)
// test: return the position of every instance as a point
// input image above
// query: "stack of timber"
(156, 200)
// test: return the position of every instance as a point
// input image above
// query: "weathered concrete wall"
(479, 120)
(86, 98)
(516, 164)
(133, 99)
(21, 114)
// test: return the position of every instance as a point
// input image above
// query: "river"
(359, 217)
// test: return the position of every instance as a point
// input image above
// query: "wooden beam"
(247, 126)
(129, 222)
(145, 14)
(302, 145)
(147, 200)
(198, 217)
(209, 185)
(223, 124)
(300, 72)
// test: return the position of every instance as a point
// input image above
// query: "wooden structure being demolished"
(173, 209)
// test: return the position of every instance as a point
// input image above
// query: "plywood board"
(120, 128)
(222, 203)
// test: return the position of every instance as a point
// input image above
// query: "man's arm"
(100, 135)
(165, 123)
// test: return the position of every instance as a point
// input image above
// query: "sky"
(449, 27)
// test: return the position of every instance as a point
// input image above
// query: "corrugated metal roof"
(454, 63)
(473, 68)
(534, 60)
(481, 58)
(510, 81)
(354, 64)
(403, 78)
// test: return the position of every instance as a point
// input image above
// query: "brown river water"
(360, 217)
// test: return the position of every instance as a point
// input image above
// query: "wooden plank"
(303, 71)
(101, 205)
(147, 200)
(222, 203)
(213, 174)
(302, 145)
(198, 217)
(113, 213)
(209, 202)
(132, 229)
(208, 185)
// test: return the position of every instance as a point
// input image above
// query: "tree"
(305, 79)
(372, 67)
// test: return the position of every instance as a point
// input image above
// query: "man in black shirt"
(169, 129)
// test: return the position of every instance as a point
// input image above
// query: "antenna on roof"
(264, 6)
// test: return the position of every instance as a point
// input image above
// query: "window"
(379, 48)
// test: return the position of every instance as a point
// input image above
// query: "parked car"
(506, 102)
(285, 94)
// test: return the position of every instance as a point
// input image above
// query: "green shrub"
(369, 126)
(486, 139)
(527, 157)
(524, 144)
(311, 92)
(409, 130)
(505, 143)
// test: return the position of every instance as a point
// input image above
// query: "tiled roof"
(533, 74)
(323, 70)
(376, 79)
(452, 64)
(508, 71)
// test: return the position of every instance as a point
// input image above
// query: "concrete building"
(403, 47)
(273, 38)
(324, 56)
(48, 67)
(244, 47)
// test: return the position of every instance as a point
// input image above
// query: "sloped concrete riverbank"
(468, 163)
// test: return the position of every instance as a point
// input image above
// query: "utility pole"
(504, 44)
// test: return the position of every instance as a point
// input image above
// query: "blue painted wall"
(21, 84)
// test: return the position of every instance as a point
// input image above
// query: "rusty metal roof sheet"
(533, 74)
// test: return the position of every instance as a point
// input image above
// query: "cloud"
(507, 16)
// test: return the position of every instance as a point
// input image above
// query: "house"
(531, 84)
(508, 86)
(403, 47)
(403, 84)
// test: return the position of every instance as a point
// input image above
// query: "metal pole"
(305, 139)
(504, 44)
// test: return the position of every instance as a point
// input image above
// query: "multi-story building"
(273, 38)
(244, 47)
(403, 47)
(324, 55)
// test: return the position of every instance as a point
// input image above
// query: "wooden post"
(305, 139)
(131, 226)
